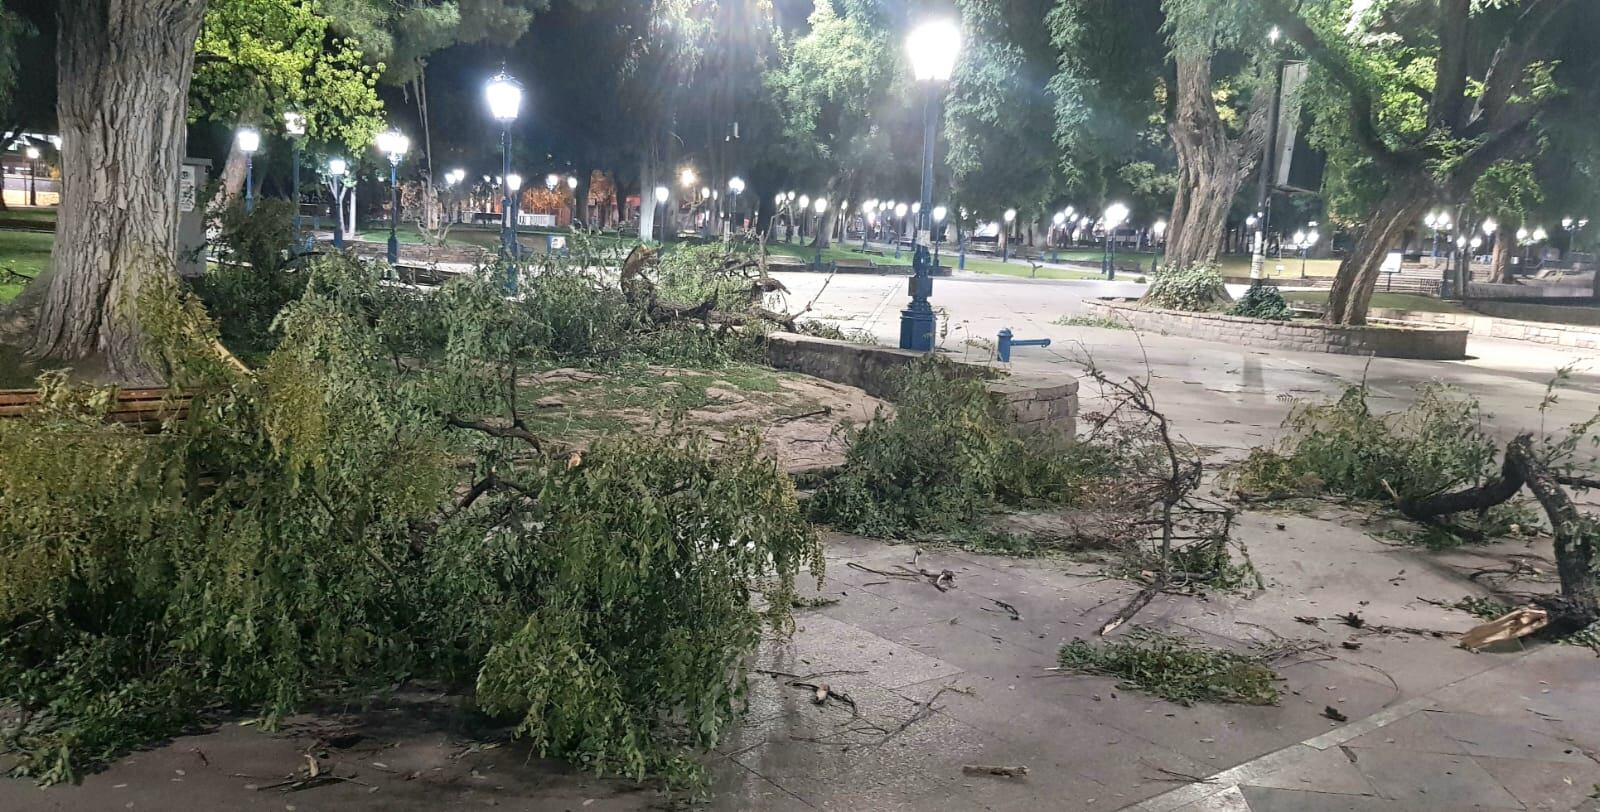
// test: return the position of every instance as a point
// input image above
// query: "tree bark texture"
(1348, 300)
(125, 67)
(1212, 165)
(1504, 246)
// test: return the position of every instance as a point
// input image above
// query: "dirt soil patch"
(798, 417)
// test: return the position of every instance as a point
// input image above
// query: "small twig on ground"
(822, 412)
(1017, 771)
(1132, 608)
(1011, 610)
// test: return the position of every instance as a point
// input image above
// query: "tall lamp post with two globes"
(504, 95)
(394, 144)
(932, 47)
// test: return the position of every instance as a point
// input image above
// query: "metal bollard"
(1003, 353)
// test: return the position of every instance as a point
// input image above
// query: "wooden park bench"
(854, 266)
(142, 408)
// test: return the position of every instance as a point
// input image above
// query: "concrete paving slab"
(1431, 780)
(1326, 771)
(1263, 799)
(1525, 738)
(824, 644)
(1542, 785)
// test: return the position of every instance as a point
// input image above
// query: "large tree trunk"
(1406, 200)
(123, 88)
(647, 199)
(1504, 248)
(1212, 166)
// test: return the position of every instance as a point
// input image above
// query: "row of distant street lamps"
(932, 48)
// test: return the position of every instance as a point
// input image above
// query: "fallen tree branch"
(514, 431)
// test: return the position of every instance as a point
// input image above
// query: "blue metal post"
(918, 321)
(249, 183)
(394, 211)
(961, 244)
(1003, 350)
(1111, 259)
(507, 239)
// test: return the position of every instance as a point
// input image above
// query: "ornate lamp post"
(504, 95)
(394, 144)
(294, 125)
(932, 47)
(1005, 234)
(868, 209)
(662, 193)
(578, 208)
(1116, 215)
(735, 188)
(1159, 232)
(249, 140)
(514, 187)
(821, 206)
(939, 213)
(33, 172)
(338, 169)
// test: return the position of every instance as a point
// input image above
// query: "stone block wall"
(1579, 336)
(1385, 340)
(1039, 404)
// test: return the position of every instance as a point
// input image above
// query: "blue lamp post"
(514, 194)
(932, 47)
(1158, 233)
(504, 95)
(821, 206)
(939, 213)
(662, 193)
(394, 144)
(735, 188)
(249, 140)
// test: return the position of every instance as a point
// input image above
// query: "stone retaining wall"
(1039, 403)
(1385, 340)
(1564, 335)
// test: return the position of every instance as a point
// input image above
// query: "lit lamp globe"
(337, 167)
(394, 144)
(688, 178)
(1159, 229)
(779, 199)
(1010, 215)
(1070, 213)
(821, 205)
(1540, 235)
(248, 139)
(805, 201)
(504, 95)
(1490, 227)
(705, 192)
(551, 180)
(572, 182)
(1061, 217)
(1522, 235)
(514, 182)
(662, 193)
(939, 213)
(1116, 215)
(901, 209)
(294, 123)
(1476, 243)
(933, 48)
(791, 194)
(33, 153)
(736, 185)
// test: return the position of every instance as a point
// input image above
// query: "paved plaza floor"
(1400, 719)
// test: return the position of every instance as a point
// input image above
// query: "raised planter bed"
(1380, 338)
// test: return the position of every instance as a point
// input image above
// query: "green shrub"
(245, 298)
(1262, 302)
(1195, 288)
(1342, 447)
(947, 455)
(301, 534)
(1175, 669)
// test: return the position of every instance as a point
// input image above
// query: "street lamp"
(932, 48)
(900, 212)
(394, 144)
(1116, 215)
(551, 181)
(821, 206)
(1058, 221)
(504, 95)
(1159, 230)
(33, 172)
(249, 140)
(294, 125)
(338, 169)
(735, 188)
(662, 193)
(1304, 240)
(514, 188)
(688, 178)
(1005, 234)
(939, 213)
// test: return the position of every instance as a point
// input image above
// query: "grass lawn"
(1394, 301)
(25, 252)
(974, 264)
(44, 215)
